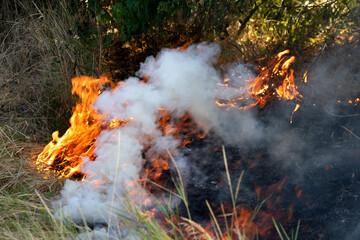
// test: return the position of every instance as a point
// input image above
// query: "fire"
(295, 109)
(238, 223)
(305, 77)
(354, 102)
(157, 165)
(63, 154)
(276, 80)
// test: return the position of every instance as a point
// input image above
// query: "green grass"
(282, 232)
(38, 57)
(22, 214)
(25, 200)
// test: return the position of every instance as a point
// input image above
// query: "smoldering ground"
(316, 154)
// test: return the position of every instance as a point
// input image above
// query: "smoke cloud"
(309, 153)
(180, 81)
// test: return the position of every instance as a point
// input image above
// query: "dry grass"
(21, 213)
(37, 62)
(17, 172)
(38, 58)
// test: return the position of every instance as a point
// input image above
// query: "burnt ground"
(308, 170)
(319, 169)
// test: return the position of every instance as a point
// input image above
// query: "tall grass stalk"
(114, 185)
(25, 213)
(282, 232)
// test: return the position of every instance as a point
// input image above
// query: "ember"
(122, 139)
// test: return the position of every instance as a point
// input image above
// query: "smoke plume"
(180, 82)
(308, 154)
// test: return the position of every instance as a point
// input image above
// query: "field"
(44, 45)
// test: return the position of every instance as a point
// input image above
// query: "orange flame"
(239, 224)
(157, 165)
(274, 81)
(63, 154)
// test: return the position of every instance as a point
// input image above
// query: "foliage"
(275, 25)
(297, 23)
(132, 18)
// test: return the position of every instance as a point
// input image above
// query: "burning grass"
(38, 58)
(232, 222)
(167, 222)
(25, 195)
(25, 211)
(63, 155)
(151, 127)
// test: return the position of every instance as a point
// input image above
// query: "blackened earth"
(316, 154)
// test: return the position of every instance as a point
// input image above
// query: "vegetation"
(21, 214)
(43, 44)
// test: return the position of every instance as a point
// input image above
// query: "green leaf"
(93, 6)
(107, 40)
(210, 37)
(106, 15)
(93, 42)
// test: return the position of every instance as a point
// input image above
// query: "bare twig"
(357, 137)
(314, 62)
(336, 115)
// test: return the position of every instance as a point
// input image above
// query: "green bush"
(296, 24)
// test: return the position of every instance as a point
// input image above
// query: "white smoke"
(180, 81)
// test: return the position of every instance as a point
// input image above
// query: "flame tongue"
(165, 112)
(276, 80)
(63, 154)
